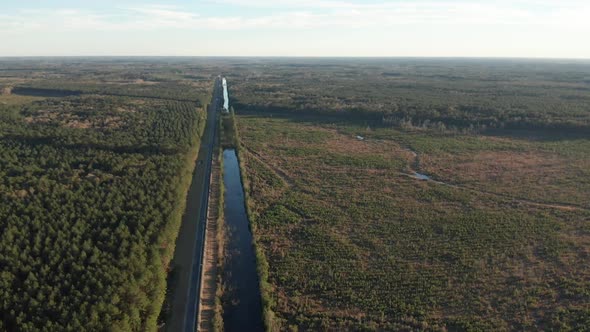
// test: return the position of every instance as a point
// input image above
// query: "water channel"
(243, 309)
(421, 176)
(225, 95)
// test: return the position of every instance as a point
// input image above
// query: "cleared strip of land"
(207, 307)
(186, 266)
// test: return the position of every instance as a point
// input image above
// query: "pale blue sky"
(500, 28)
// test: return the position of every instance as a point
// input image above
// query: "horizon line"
(304, 57)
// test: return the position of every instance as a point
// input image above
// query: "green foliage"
(346, 241)
(90, 188)
(169, 91)
(270, 322)
(229, 137)
(454, 95)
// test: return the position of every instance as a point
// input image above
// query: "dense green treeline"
(122, 124)
(90, 196)
(164, 90)
(440, 94)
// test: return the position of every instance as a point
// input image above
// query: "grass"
(18, 100)
(352, 243)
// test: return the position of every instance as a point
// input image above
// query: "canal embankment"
(209, 315)
(184, 277)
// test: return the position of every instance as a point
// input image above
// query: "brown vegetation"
(209, 282)
(6, 90)
(354, 244)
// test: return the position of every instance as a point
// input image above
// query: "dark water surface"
(421, 176)
(243, 309)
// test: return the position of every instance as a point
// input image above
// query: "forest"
(92, 194)
(383, 194)
(445, 94)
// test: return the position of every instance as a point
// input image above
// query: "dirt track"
(210, 256)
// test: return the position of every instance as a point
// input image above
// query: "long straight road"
(188, 255)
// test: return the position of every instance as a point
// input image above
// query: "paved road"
(188, 255)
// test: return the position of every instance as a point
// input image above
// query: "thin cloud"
(306, 14)
(164, 13)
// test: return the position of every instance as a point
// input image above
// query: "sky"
(423, 28)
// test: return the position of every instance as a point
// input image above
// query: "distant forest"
(439, 94)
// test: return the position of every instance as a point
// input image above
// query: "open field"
(496, 240)
(353, 242)
(11, 100)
